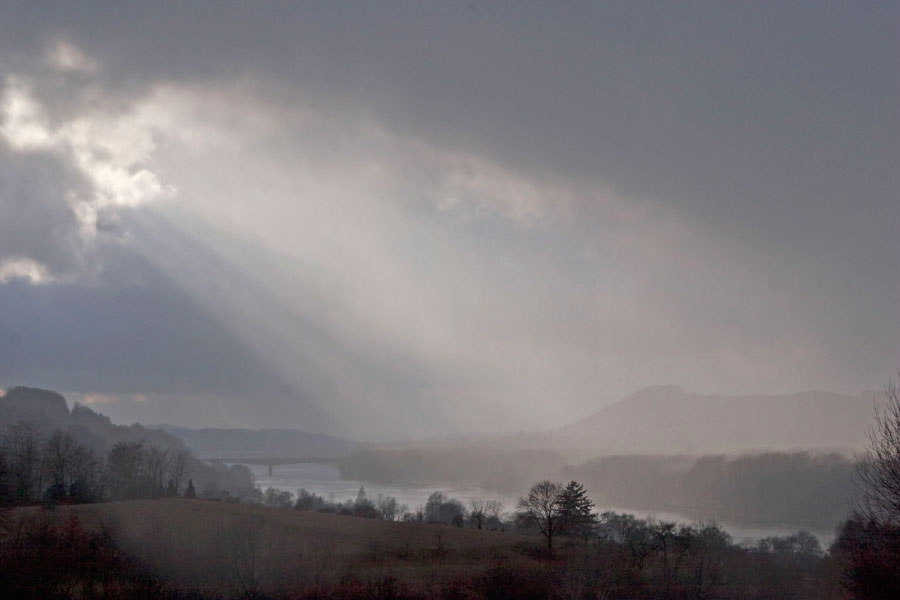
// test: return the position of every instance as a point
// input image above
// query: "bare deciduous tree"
(482, 509)
(23, 447)
(878, 472)
(179, 468)
(125, 464)
(387, 507)
(59, 454)
(540, 508)
(156, 468)
(87, 476)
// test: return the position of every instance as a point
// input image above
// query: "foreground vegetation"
(554, 546)
(202, 549)
(277, 545)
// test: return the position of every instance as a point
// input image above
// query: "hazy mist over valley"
(449, 300)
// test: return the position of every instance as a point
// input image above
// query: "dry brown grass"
(236, 548)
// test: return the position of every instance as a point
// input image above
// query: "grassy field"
(175, 549)
(222, 548)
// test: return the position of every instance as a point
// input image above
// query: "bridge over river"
(272, 461)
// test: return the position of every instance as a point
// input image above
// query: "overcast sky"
(383, 220)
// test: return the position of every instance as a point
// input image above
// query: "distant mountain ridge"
(259, 443)
(655, 420)
(668, 419)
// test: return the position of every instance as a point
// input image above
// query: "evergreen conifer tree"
(576, 516)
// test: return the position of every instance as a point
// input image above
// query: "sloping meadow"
(219, 548)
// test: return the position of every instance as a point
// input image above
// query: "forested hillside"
(51, 453)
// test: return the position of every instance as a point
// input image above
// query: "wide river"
(325, 480)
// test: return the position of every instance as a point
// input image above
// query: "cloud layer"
(451, 220)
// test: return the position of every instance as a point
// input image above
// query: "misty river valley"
(324, 479)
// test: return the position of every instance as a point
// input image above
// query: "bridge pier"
(270, 469)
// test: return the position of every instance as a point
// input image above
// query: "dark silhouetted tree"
(388, 508)
(870, 554)
(190, 492)
(279, 498)
(87, 472)
(23, 450)
(482, 509)
(124, 470)
(155, 471)
(635, 537)
(540, 508)
(576, 510)
(6, 486)
(441, 509)
(59, 454)
(362, 506)
(869, 542)
(878, 473)
(179, 467)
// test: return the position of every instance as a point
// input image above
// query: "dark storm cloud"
(774, 122)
